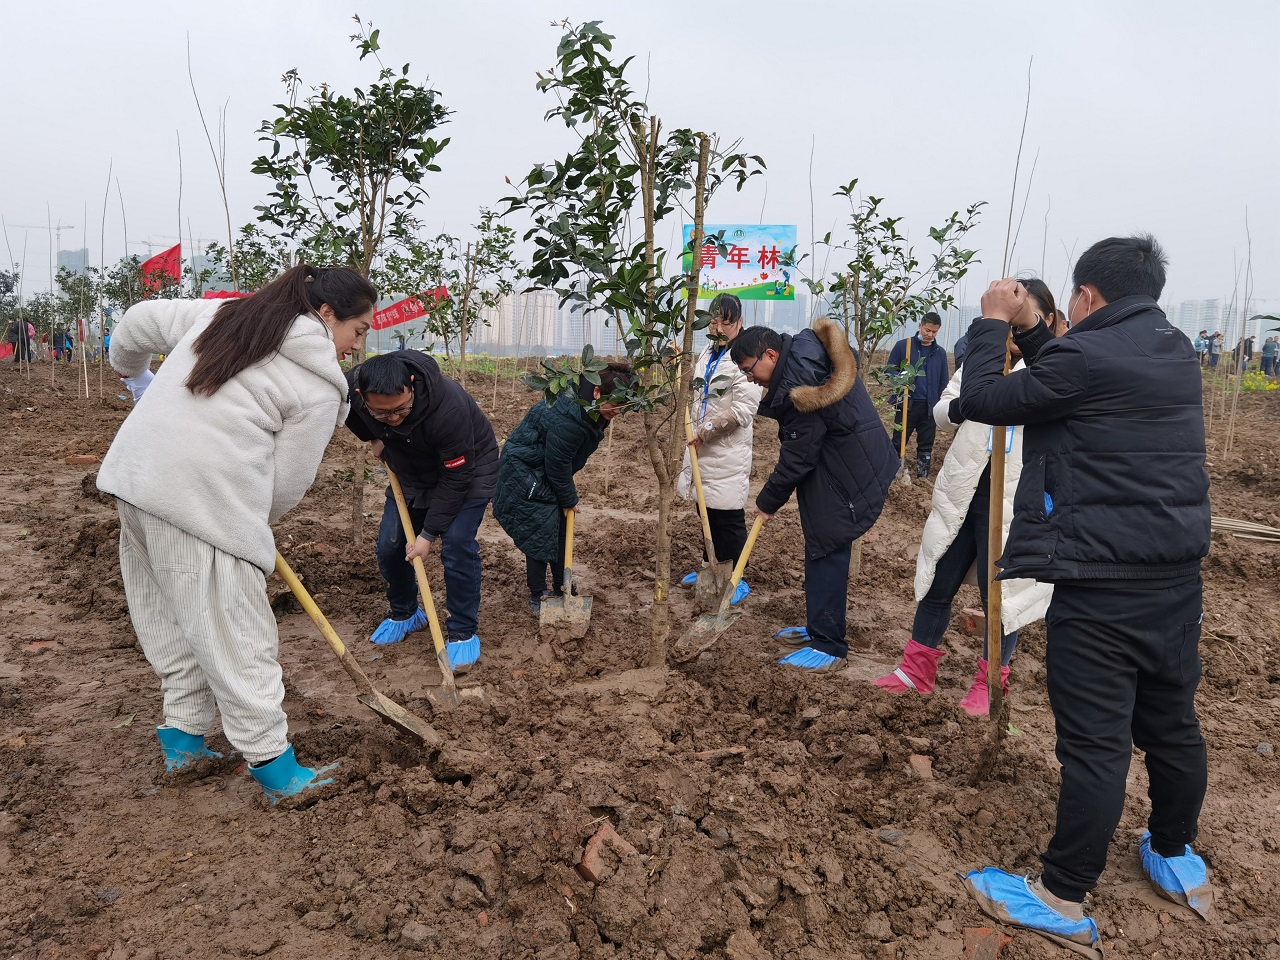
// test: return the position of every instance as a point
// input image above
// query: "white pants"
(207, 630)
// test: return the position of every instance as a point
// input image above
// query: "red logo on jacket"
(455, 462)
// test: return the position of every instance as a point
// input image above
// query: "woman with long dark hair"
(227, 438)
(954, 542)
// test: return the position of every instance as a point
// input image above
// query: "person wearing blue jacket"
(925, 391)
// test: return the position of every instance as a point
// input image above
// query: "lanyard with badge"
(712, 362)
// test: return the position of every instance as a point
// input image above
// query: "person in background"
(427, 429)
(954, 543)
(1115, 514)
(834, 454)
(1215, 349)
(724, 410)
(960, 349)
(1201, 345)
(925, 391)
(1269, 350)
(535, 492)
(225, 439)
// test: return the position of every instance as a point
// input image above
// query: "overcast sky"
(1160, 117)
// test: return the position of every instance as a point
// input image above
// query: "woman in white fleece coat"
(724, 410)
(227, 439)
(954, 542)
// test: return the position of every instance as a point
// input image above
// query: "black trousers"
(933, 613)
(728, 533)
(826, 595)
(536, 570)
(1123, 666)
(920, 422)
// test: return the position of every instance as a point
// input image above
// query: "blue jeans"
(826, 594)
(459, 554)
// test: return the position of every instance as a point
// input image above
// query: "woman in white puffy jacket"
(724, 410)
(227, 438)
(955, 541)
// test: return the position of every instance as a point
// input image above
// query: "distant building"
(77, 261)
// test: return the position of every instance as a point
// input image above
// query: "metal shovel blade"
(400, 718)
(564, 618)
(705, 631)
(712, 581)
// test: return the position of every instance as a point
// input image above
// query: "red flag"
(224, 295)
(167, 263)
(410, 308)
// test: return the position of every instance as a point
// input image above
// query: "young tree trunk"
(669, 456)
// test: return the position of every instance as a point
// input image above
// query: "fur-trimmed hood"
(808, 397)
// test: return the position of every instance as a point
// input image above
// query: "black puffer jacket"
(835, 453)
(444, 452)
(535, 478)
(1113, 479)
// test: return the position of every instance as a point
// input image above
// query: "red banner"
(168, 263)
(410, 308)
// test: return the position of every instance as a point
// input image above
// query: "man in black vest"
(1113, 509)
(442, 448)
(834, 454)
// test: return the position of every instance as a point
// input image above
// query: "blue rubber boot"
(1011, 899)
(393, 631)
(689, 579)
(740, 592)
(1183, 879)
(793, 636)
(181, 749)
(808, 658)
(283, 777)
(463, 653)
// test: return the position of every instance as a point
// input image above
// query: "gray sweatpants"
(207, 630)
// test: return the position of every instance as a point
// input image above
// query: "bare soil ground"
(816, 839)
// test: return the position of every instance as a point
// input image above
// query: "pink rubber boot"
(918, 670)
(975, 702)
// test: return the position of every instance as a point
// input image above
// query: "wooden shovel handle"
(419, 570)
(741, 565)
(697, 486)
(568, 552)
(308, 604)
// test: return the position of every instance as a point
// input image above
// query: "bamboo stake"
(608, 459)
(102, 246)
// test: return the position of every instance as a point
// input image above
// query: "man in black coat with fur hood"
(835, 455)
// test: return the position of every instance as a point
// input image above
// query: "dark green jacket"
(535, 474)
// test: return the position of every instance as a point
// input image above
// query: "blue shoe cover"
(793, 636)
(1183, 879)
(740, 592)
(811, 659)
(283, 777)
(181, 749)
(463, 653)
(689, 579)
(393, 631)
(1010, 899)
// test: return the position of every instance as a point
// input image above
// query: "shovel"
(448, 692)
(708, 627)
(386, 708)
(566, 617)
(710, 583)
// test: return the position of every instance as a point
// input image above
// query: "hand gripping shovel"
(566, 617)
(711, 578)
(390, 711)
(708, 627)
(448, 692)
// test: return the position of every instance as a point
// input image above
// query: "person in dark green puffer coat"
(535, 476)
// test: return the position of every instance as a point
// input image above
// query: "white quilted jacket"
(1022, 601)
(725, 424)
